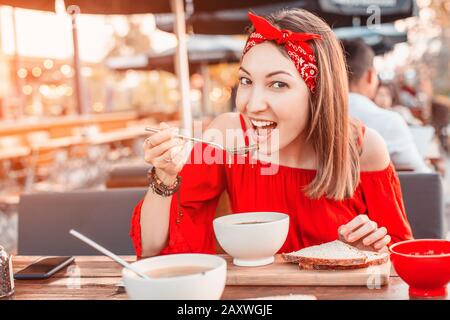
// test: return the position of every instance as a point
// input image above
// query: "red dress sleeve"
(202, 183)
(383, 197)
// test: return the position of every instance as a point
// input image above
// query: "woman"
(327, 173)
(387, 98)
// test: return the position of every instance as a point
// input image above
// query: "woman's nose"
(256, 102)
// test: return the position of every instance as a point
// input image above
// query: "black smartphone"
(43, 268)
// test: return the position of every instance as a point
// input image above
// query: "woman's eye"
(279, 85)
(244, 81)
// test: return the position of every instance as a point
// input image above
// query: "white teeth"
(258, 123)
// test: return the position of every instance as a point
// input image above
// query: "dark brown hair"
(359, 57)
(393, 91)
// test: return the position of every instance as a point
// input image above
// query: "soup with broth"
(177, 271)
(252, 222)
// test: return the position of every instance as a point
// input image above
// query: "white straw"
(108, 253)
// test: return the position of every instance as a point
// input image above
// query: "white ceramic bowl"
(252, 244)
(208, 285)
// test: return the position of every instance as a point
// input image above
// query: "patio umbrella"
(340, 13)
(228, 20)
(202, 49)
(336, 13)
(42, 5)
(382, 39)
(136, 7)
(121, 6)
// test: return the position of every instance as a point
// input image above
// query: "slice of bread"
(334, 253)
(373, 259)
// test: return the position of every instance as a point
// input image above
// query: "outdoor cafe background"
(78, 86)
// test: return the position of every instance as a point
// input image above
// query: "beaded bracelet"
(159, 187)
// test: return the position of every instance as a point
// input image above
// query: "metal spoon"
(108, 253)
(237, 151)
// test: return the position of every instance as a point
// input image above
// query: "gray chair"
(46, 218)
(134, 175)
(424, 204)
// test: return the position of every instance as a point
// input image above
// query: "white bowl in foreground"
(252, 238)
(177, 277)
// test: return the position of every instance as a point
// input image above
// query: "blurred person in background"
(386, 97)
(363, 85)
(415, 92)
(440, 119)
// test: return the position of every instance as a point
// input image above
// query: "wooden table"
(63, 126)
(14, 152)
(117, 135)
(99, 276)
(58, 143)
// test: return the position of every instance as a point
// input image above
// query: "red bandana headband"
(295, 43)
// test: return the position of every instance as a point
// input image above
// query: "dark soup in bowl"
(176, 271)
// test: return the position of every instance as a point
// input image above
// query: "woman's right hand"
(165, 152)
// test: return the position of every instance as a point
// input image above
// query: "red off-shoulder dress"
(312, 221)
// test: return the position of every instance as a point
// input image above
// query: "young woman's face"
(383, 98)
(272, 95)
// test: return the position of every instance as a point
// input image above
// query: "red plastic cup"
(424, 264)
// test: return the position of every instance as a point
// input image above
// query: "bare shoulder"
(225, 121)
(375, 155)
(222, 126)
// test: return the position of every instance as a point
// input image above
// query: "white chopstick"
(108, 253)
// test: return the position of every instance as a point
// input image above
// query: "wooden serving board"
(281, 273)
